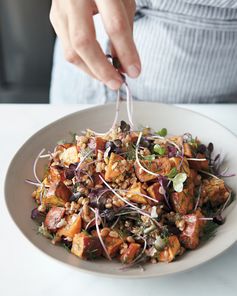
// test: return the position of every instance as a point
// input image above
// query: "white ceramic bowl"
(177, 121)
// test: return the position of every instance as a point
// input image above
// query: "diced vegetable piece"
(112, 245)
(159, 166)
(114, 167)
(182, 202)
(73, 226)
(200, 164)
(99, 144)
(154, 192)
(194, 177)
(191, 233)
(171, 250)
(86, 247)
(53, 217)
(133, 137)
(55, 175)
(177, 140)
(96, 178)
(134, 191)
(180, 164)
(57, 195)
(70, 155)
(53, 200)
(61, 191)
(130, 254)
(187, 150)
(214, 190)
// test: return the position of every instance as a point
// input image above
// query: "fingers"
(130, 8)
(60, 25)
(83, 40)
(117, 25)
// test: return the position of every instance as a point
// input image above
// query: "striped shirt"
(188, 50)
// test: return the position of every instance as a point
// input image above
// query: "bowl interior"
(157, 116)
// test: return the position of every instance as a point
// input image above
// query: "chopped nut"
(130, 239)
(104, 232)
(85, 201)
(86, 209)
(114, 165)
(42, 208)
(180, 224)
(113, 234)
(68, 182)
(80, 200)
(108, 205)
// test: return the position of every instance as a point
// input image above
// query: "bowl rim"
(103, 274)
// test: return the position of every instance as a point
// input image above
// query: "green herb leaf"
(178, 181)
(162, 132)
(149, 157)
(131, 152)
(172, 173)
(159, 150)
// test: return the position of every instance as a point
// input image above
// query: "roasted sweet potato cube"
(134, 195)
(62, 191)
(133, 137)
(188, 150)
(182, 202)
(114, 167)
(53, 175)
(99, 144)
(215, 191)
(200, 164)
(58, 194)
(141, 174)
(159, 166)
(53, 217)
(72, 227)
(171, 250)
(154, 192)
(86, 247)
(112, 245)
(130, 254)
(194, 177)
(180, 164)
(191, 233)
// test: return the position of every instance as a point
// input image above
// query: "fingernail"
(133, 71)
(114, 84)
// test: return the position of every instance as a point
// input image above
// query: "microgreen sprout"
(162, 132)
(178, 181)
(172, 173)
(159, 149)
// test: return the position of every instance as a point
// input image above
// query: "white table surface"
(26, 271)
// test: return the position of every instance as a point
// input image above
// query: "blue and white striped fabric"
(188, 50)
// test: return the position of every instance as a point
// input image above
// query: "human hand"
(73, 23)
